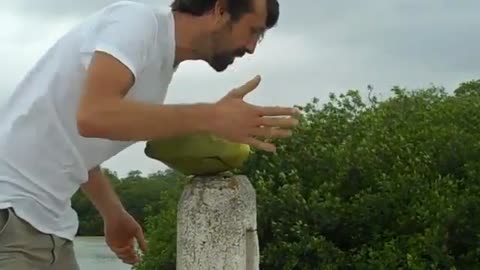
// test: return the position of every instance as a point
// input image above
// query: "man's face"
(233, 39)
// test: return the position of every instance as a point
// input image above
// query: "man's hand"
(241, 122)
(121, 233)
(121, 229)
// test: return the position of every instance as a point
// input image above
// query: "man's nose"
(250, 48)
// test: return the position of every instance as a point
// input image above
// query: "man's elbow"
(88, 124)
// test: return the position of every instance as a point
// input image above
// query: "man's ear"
(220, 12)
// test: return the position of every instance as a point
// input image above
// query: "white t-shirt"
(43, 159)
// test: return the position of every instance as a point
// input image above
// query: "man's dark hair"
(236, 8)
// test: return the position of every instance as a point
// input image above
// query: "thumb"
(141, 240)
(241, 91)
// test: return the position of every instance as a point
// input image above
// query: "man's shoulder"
(144, 16)
(130, 5)
(128, 9)
(136, 8)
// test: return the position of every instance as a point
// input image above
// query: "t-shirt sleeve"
(126, 31)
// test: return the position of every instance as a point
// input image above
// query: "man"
(101, 88)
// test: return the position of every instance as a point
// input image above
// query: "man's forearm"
(100, 192)
(134, 121)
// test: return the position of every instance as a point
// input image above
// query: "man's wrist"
(203, 117)
(102, 195)
(112, 212)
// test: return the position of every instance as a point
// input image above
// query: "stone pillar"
(217, 224)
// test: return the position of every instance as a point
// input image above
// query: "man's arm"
(104, 113)
(121, 229)
(100, 192)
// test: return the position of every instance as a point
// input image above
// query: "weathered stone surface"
(216, 226)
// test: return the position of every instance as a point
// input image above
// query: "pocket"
(5, 215)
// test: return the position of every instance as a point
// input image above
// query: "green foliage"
(471, 88)
(390, 185)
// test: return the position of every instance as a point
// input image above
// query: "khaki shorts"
(22, 247)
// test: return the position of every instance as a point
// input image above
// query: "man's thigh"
(22, 246)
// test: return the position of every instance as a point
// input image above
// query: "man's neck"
(187, 31)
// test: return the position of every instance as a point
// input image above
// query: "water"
(93, 253)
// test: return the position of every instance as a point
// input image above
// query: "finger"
(278, 111)
(130, 257)
(127, 257)
(125, 253)
(141, 240)
(241, 91)
(268, 132)
(260, 145)
(130, 260)
(281, 122)
(123, 250)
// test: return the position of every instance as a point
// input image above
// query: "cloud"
(20, 47)
(318, 47)
(65, 8)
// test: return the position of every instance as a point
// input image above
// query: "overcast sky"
(318, 47)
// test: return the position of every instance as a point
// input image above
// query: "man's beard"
(221, 61)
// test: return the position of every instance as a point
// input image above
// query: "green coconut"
(198, 154)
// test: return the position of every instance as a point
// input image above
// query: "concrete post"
(216, 225)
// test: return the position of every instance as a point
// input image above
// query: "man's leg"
(64, 255)
(22, 247)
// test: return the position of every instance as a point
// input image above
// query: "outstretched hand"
(239, 121)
